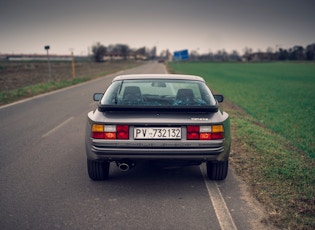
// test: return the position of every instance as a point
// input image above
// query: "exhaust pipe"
(125, 165)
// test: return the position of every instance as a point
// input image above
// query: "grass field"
(277, 129)
(279, 95)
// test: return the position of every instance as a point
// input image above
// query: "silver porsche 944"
(166, 117)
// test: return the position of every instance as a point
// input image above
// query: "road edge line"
(58, 90)
(57, 127)
(221, 210)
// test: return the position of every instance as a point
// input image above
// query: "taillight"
(97, 131)
(122, 131)
(110, 131)
(213, 132)
(193, 132)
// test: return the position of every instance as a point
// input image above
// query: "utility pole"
(48, 60)
(73, 65)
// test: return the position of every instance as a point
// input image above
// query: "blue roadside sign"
(181, 55)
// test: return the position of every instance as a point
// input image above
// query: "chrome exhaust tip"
(123, 167)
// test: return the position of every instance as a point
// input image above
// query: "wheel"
(217, 170)
(98, 170)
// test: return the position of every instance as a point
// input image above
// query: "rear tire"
(98, 170)
(217, 170)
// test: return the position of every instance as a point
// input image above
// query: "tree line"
(296, 53)
(123, 51)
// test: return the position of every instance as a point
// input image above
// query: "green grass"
(281, 178)
(32, 90)
(275, 131)
(279, 95)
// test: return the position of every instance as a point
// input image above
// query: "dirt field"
(14, 75)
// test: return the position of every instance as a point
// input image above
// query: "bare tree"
(310, 52)
(297, 53)
(99, 52)
(234, 56)
(123, 50)
(269, 52)
(247, 53)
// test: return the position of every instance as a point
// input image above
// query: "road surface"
(44, 182)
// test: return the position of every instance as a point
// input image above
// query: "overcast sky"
(26, 26)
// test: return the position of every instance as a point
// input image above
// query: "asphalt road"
(44, 182)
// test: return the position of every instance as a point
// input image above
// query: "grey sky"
(203, 25)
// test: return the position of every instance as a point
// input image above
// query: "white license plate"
(157, 133)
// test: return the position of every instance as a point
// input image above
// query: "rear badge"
(199, 119)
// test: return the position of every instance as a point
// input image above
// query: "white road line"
(58, 90)
(42, 95)
(165, 70)
(57, 127)
(222, 212)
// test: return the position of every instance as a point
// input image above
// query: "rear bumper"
(183, 149)
(112, 151)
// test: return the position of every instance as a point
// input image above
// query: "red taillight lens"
(110, 131)
(214, 132)
(97, 135)
(193, 129)
(109, 135)
(205, 136)
(192, 136)
(122, 131)
(192, 132)
(217, 136)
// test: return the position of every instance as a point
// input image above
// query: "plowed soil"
(14, 75)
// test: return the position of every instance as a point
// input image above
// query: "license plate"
(157, 133)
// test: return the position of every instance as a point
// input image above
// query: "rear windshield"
(158, 93)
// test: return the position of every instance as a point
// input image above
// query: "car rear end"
(125, 137)
(170, 118)
(163, 135)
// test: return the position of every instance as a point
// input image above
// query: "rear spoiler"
(106, 108)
